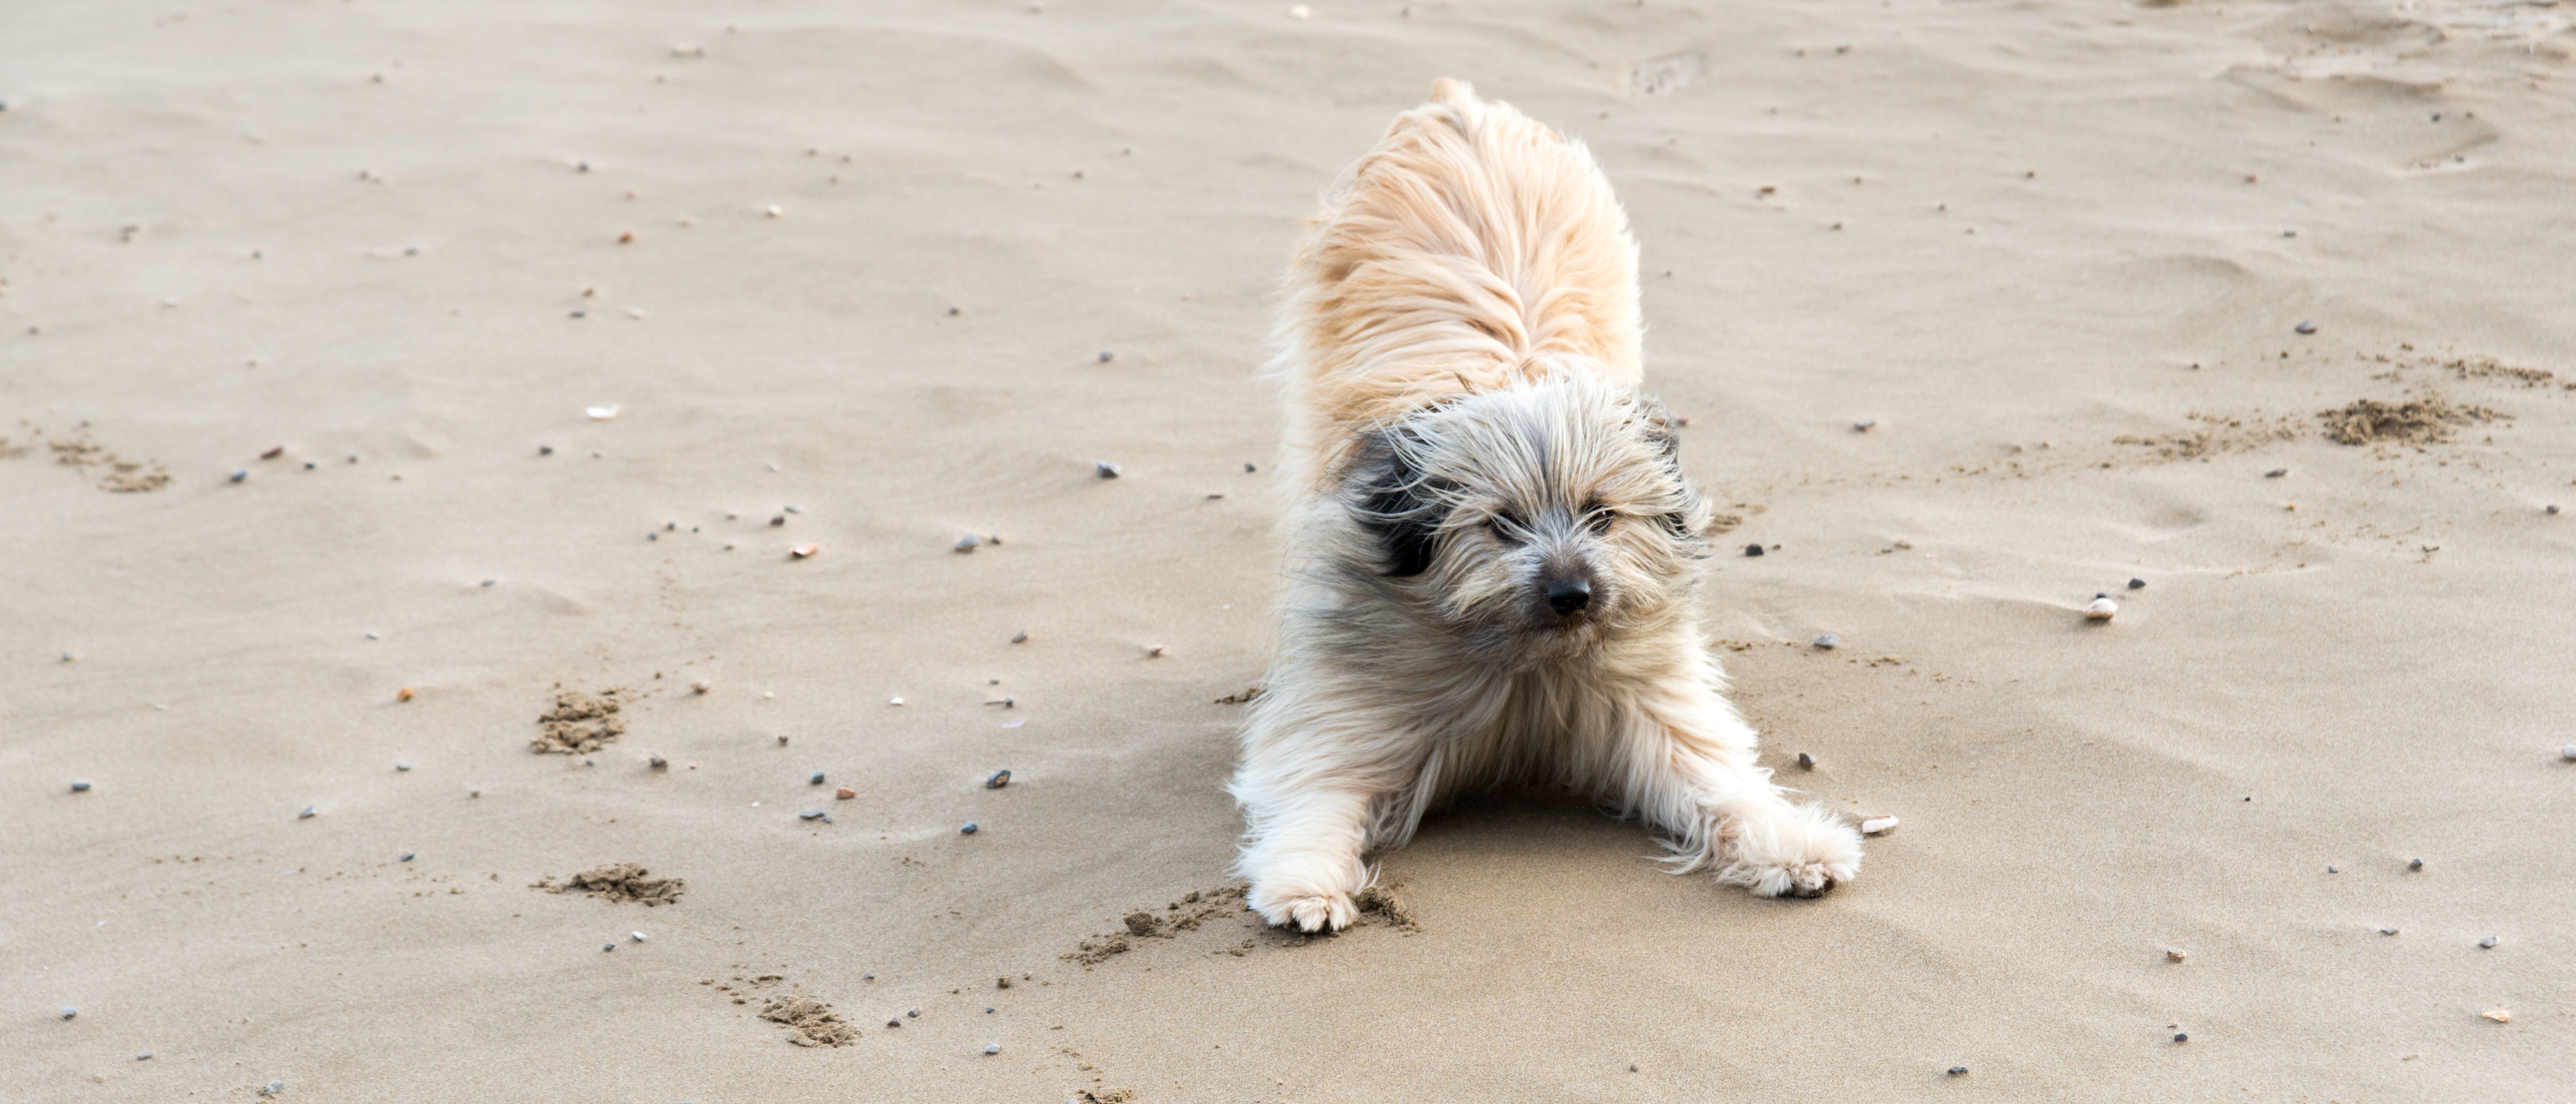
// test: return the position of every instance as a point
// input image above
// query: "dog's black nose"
(1569, 595)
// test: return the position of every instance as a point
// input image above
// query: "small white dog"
(1494, 551)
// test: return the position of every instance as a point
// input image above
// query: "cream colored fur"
(1467, 445)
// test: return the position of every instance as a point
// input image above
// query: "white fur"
(1460, 352)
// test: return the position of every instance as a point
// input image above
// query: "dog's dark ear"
(1393, 501)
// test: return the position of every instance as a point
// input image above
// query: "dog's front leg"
(1691, 772)
(1303, 854)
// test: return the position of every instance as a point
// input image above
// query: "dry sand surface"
(875, 276)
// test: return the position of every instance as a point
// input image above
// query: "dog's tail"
(1472, 249)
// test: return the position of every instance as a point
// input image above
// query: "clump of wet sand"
(579, 723)
(2424, 421)
(814, 1022)
(619, 883)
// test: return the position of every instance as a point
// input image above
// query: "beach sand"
(873, 277)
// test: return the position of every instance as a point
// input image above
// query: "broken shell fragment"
(403, 694)
(2175, 954)
(2499, 1015)
(700, 686)
(1106, 469)
(601, 413)
(1877, 825)
(804, 551)
(845, 793)
(2101, 609)
(999, 779)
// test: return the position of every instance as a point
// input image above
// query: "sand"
(862, 260)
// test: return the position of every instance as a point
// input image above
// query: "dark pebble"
(2276, 473)
(2137, 584)
(2331, 870)
(545, 450)
(894, 1023)
(1106, 356)
(814, 814)
(999, 779)
(80, 787)
(2414, 864)
(2488, 942)
(2306, 327)
(310, 811)
(780, 519)
(608, 946)
(1106, 469)
(1864, 424)
(2182, 1037)
(1752, 550)
(240, 475)
(970, 829)
(1958, 1071)
(1829, 642)
(914, 1014)
(1249, 469)
(817, 780)
(1806, 761)
(408, 856)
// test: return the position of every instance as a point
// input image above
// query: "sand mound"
(2421, 421)
(578, 723)
(812, 1020)
(619, 883)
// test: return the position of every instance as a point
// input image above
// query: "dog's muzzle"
(1569, 594)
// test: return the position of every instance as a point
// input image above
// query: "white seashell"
(895, 701)
(2568, 752)
(2101, 609)
(1877, 824)
(636, 936)
(602, 413)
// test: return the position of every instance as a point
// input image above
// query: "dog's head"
(1550, 513)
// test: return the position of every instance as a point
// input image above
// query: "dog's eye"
(1602, 520)
(1506, 528)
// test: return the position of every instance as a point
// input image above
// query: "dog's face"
(1545, 515)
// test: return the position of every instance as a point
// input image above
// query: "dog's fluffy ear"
(1396, 503)
(1656, 424)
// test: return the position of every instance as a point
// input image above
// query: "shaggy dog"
(1494, 553)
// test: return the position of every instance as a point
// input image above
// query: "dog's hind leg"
(1684, 762)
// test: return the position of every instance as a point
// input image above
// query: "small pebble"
(2551, 509)
(1864, 424)
(272, 1088)
(545, 450)
(2175, 954)
(701, 686)
(403, 694)
(239, 476)
(2306, 327)
(1153, 651)
(310, 811)
(274, 451)
(894, 701)
(1106, 469)
(813, 814)
(2568, 752)
(999, 779)
(894, 1023)
(146, 1056)
(1106, 356)
(966, 543)
(2488, 942)
(1829, 642)
(80, 787)
(1877, 825)
(2414, 864)
(69, 1011)
(2181, 1037)
(2387, 931)
(992, 1048)
(402, 766)
(775, 211)
(2137, 584)
(913, 1014)
(658, 763)
(780, 519)
(817, 780)
(2276, 473)
(2331, 870)
(2101, 609)
(608, 946)
(845, 793)
(636, 936)
(1249, 469)
(1020, 637)
(971, 829)
(1806, 761)
(1752, 550)
(1958, 1071)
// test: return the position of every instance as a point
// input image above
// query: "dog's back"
(1470, 250)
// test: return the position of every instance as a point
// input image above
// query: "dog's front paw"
(1801, 851)
(1310, 913)
(1310, 893)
